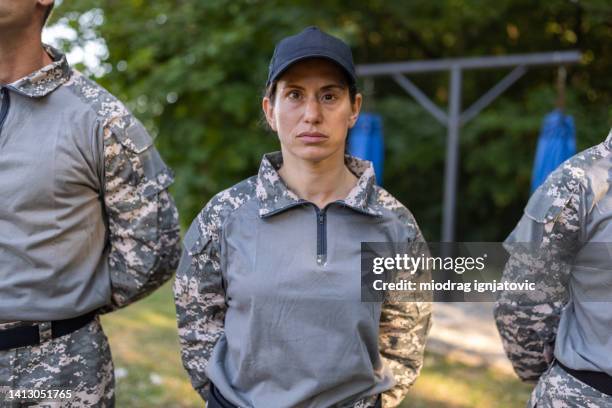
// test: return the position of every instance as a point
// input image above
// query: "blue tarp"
(366, 142)
(556, 143)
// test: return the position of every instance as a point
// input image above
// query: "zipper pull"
(321, 259)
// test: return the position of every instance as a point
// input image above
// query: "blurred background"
(194, 71)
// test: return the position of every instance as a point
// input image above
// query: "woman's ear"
(268, 108)
(355, 109)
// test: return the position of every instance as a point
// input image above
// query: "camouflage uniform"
(80, 362)
(95, 230)
(557, 389)
(560, 244)
(209, 298)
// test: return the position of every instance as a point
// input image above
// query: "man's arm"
(541, 248)
(144, 234)
(200, 301)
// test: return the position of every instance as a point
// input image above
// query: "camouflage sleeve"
(541, 247)
(142, 218)
(199, 296)
(404, 326)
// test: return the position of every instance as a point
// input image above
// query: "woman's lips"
(312, 137)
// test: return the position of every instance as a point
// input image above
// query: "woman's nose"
(312, 111)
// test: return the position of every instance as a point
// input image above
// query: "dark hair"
(47, 13)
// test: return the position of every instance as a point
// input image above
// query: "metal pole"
(421, 98)
(452, 156)
(491, 94)
(498, 61)
(454, 117)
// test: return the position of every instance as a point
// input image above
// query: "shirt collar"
(608, 141)
(45, 80)
(274, 196)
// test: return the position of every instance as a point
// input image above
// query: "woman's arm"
(200, 301)
(403, 333)
(404, 326)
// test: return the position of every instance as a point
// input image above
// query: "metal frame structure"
(454, 118)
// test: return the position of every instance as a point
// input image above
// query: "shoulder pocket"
(135, 137)
(194, 241)
(136, 140)
(547, 202)
(161, 178)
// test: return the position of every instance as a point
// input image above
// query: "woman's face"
(312, 110)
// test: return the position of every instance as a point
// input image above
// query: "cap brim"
(297, 59)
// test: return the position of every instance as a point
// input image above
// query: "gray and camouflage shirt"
(86, 220)
(268, 297)
(563, 243)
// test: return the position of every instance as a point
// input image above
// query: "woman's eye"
(294, 95)
(329, 97)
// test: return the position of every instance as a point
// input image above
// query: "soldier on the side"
(268, 291)
(561, 334)
(87, 225)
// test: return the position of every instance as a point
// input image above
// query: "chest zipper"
(6, 103)
(321, 236)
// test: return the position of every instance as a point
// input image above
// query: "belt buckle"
(45, 331)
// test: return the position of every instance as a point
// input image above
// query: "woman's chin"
(313, 153)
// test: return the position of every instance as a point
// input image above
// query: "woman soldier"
(268, 289)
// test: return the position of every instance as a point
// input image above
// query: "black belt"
(602, 382)
(216, 400)
(23, 336)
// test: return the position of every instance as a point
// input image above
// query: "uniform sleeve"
(200, 303)
(542, 248)
(404, 326)
(144, 236)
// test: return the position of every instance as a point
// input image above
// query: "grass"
(449, 384)
(145, 349)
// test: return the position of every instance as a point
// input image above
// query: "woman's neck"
(319, 182)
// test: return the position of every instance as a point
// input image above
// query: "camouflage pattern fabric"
(366, 402)
(79, 362)
(403, 325)
(142, 216)
(403, 331)
(199, 285)
(542, 249)
(47, 79)
(558, 389)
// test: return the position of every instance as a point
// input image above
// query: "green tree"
(194, 71)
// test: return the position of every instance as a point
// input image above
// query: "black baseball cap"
(311, 43)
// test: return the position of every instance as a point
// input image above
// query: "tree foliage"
(194, 71)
